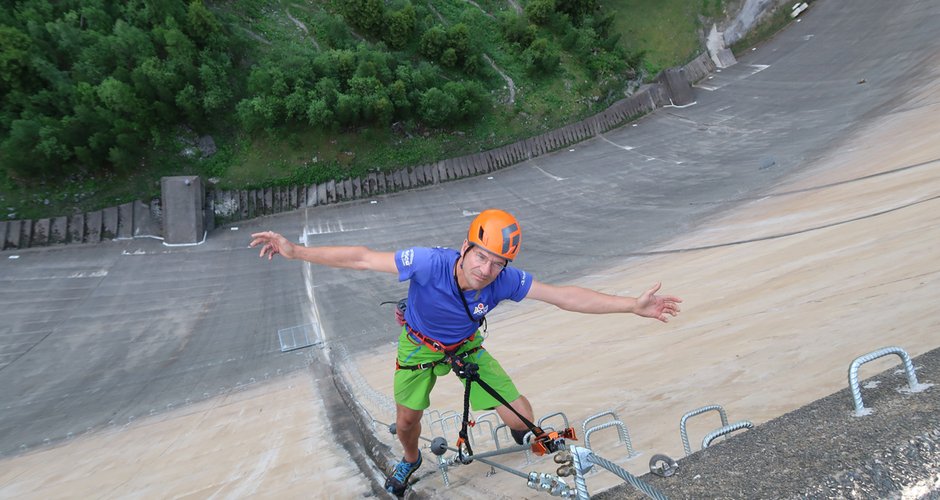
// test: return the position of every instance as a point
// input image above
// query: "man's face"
(480, 267)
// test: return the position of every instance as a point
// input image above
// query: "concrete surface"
(824, 451)
(793, 207)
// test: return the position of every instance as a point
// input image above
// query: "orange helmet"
(496, 231)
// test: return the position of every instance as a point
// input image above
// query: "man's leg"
(516, 427)
(408, 425)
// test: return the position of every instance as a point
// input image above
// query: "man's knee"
(407, 418)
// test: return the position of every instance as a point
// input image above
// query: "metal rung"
(860, 409)
(728, 429)
(683, 433)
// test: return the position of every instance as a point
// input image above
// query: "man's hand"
(271, 244)
(650, 305)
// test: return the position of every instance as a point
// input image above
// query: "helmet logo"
(510, 240)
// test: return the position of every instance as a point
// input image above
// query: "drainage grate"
(298, 337)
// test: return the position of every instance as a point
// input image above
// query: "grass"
(668, 32)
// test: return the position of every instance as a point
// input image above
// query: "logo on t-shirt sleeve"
(407, 257)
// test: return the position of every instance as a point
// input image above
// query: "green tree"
(540, 11)
(437, 108)
(319, 113)
(202, 26)
(348, 108)
(400, 26)
(365, 14)
(434, 42)
(15, 72)
(541, 56)
(517, 30)
(577, 9)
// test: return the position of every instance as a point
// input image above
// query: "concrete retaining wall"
(132, 220)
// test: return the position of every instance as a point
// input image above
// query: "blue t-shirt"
(435, 309)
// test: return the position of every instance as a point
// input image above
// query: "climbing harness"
(542, 442)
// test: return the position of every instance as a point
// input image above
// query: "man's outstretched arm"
(346, 257)
(584, 300)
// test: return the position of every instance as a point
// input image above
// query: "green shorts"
(413, 387)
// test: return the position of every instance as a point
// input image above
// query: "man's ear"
(464, 247)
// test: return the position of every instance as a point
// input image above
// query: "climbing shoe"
(397, 481)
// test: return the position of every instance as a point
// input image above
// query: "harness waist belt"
(436, 345)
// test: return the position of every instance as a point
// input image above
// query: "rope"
(626, 476)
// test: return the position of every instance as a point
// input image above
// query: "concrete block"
(405, 176)
(242, 204)
(59, 231)
(109, 223)
(4, 225)
(365, 184)
(183, 200)
(497, 159)
(125, 221)
(312, 195)
(76, 228)
(464, 165)
(349, 189)
(442, 175)
(322, 198)
(538, 145)
(257, 206)
(301, 196)
(677, 86)
(40, 236)
(14, 234)
(380, 186)
(397, 180)
(276, 200)
(292, 198)
(339, 189)
(370, 185)
(472, 164)
(93, 227)
(419, 172)
(26, 234)
(268, 201)
(145, 222)
(357, 187)
(331, 191)
(390, 182)
(413, 177)
(249, 207)
(492, 160)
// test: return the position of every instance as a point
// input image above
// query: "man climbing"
(449, 294)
